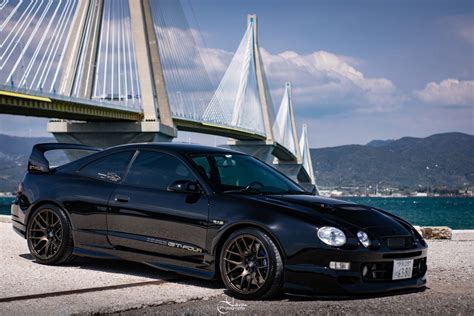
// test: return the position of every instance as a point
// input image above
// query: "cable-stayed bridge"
(115, 71)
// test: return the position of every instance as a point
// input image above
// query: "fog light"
(335, 265)
(365, 270)
(363, 238)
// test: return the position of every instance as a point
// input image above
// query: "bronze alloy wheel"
(246, 264)
(46, 234)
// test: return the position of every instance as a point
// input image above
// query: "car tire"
(251, 265)
(49, 236)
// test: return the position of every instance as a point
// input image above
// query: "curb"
(463, 235)
(5, 219)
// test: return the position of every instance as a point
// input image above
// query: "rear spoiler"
(38, 162)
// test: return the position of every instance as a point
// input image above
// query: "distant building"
(421, 194)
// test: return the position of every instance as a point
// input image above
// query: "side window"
(203, 165)
(157, 170)
(111, 168)
(230, 171)
(231, 175)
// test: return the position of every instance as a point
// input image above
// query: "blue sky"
(408, 43)
(361, 70)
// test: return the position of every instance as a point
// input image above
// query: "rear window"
(59, 157)
(157, 170)
(109, 168)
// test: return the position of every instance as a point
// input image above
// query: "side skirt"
(159, 262)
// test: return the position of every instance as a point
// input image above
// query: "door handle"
(122, 198)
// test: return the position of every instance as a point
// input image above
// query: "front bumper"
(308, 272)
(18, 219)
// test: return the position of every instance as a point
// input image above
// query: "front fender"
(291, 232)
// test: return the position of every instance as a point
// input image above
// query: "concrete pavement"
(86, 285)
(450, 291)
(99, 286)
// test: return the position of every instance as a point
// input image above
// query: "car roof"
(181, 148)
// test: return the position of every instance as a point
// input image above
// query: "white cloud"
(467, 32)
(318, 78)
(216, 61)
(460, 25)
(448, 92)
(413, 121)
(326, 78)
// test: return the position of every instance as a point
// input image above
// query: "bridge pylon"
(307, 162)
(252, 72)
(300, 170)
(284, 127)
(80, 74)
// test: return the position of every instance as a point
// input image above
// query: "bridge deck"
(19, 103)
(214, 129)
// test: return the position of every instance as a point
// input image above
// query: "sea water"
(455, 212)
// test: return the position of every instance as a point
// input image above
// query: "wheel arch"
(38, 204)
(224, 235)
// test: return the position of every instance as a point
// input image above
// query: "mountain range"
(14, 153)
(441, 160)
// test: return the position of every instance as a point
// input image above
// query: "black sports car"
(212, 213)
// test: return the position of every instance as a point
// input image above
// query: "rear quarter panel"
(83, 199)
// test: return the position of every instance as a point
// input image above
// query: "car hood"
(336, 212)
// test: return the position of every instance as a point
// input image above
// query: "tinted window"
(203, 165)
(157, 170)
(241, 172)
(59, 157)
(111, 168)
(236, 172)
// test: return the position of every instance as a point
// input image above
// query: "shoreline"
(12, 196)
(403, 197)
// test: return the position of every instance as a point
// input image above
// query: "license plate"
(402, 269)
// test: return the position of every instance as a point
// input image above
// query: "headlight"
(418, 236)
(364, 239)
(331, 236)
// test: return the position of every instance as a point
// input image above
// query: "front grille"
(382, 271)
(379, 271)
(400, 243)
(401, 255)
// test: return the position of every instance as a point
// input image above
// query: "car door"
(85, 194)
(144, 216)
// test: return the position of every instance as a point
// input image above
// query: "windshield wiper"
(244, 190)
(296, 192)
(256, 191)
(251, 188)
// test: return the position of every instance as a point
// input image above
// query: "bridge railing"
(58, 97)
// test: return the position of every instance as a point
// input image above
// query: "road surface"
(96, 286)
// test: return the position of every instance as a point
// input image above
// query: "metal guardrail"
(59, 97)
(36, 103)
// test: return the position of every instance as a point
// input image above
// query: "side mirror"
(185, 186)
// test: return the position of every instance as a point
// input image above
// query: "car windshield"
(236, 173)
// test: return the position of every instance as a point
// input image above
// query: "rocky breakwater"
(435, 232)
